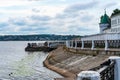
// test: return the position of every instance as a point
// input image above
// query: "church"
(110, 24)
(108, 38)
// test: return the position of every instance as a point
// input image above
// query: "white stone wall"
(107, 31)
(115, 24)
(105, 36)
(102, 27)
(115, 21)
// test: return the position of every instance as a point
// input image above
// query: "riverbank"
(69, 64)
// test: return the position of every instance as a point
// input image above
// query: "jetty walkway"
(44, 46)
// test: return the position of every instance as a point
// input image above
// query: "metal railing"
(106, 70)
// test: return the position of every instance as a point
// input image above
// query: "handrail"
(106, 71)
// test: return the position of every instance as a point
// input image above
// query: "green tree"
(116, 11)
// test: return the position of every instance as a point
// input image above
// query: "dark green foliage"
(116, 11)
(41, 37)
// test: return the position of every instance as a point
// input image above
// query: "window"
(113, 22)
(119, 21)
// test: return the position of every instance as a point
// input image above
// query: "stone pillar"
(67, 44)
(75, 44)
(72, 44)
(82, 45)
(88, 75)
(48, 44)
(106, 44)
(116, 67)
(93, 45)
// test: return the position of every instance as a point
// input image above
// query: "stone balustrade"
(104, 36)
(92, 43)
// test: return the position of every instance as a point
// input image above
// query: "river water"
(16, 64)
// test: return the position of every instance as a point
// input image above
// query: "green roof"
(105, 19)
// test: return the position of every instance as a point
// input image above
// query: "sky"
(64, 17)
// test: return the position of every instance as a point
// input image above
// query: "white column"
(66, 43)
(106, 44)
(92, 45)
(48, 44)
(75, 44)
(116, 67)
(82, 44)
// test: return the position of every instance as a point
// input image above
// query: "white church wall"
(115, 21)
(105, 36)
(115, 25)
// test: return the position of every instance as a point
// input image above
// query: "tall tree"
(116, 11)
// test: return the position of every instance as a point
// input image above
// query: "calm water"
(16, 64)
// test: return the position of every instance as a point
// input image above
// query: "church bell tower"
(104, 22)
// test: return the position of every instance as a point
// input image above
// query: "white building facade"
(115, 24)
(109, 36)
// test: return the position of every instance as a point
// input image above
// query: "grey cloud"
(36, 20)
(80, 28)
(67, 15)
(34, 28)
(3, 24)
(73, 10)
(41, 18)
(38, 24)
(86, 18)
(78, 7)
(84, 28)
(34, 0)
(17, 21)
(110, 5)
(35, 10)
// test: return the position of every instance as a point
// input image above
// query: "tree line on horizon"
(43, 37)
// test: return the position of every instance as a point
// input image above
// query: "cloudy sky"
(78, 17)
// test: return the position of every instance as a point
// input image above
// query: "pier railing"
(106, 71)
